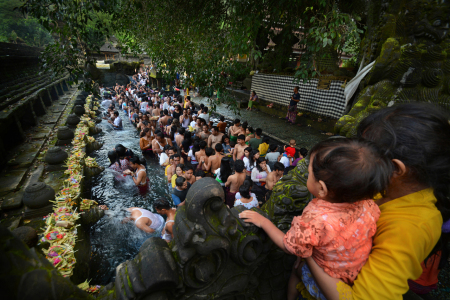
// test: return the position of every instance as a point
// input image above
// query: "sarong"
(233, 138)
(229, 198)
(291, 115)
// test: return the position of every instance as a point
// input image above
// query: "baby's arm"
(275, 234)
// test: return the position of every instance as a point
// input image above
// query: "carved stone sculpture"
(55, 155)
(411, 45)
(215, 255)
(73, 120)
(79, 110)
(38, 195)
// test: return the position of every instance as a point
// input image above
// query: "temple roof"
(108, 47)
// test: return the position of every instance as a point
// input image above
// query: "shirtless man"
(201, 153)
(163, 121)
(159, 142)
(204, 135)
(205, 160)
(189, 174)
(215, 160)
(239, 148)
(162, 207)
(215, 137)
(273, 177)
(156, 112)
(180, 137)
(172, 151)
(234, 130)
(144, 220)
(234, 182)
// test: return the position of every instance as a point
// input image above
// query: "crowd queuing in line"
(351, 245)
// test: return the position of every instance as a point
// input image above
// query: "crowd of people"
(347, 243)
(190, 146)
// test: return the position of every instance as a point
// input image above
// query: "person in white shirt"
(166, 104)
(117, 124)
(204, 115)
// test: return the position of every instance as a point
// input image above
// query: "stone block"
(51, 118)
(10, 181)
(12, 202)
(28, 153)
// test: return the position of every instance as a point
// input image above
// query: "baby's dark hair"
(352, 169)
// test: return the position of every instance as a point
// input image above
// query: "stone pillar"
(53, 92)
(46, 97)
(59, 88)
(64, 85)
(19, 127)
(39, 106)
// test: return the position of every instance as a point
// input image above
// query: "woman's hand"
(253, 217)
(262, 179)
(127, 172)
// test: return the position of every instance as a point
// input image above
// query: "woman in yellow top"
(416, 138)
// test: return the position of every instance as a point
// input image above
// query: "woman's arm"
(254, 175)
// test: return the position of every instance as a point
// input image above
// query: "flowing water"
(111, 241)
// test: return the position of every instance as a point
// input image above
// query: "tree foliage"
(201, 38)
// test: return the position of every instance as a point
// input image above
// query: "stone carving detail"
(411, 45)
(55, 155)
(79, 110)
(214, 254)
(64, 133)
(73, 120)
(38, 195)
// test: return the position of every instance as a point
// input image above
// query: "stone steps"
(12, 90)
(21, 166)
(20, 78)
(26, 91)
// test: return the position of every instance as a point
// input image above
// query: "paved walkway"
(273, 126)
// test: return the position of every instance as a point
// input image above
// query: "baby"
(335, 228)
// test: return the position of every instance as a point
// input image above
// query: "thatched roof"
(107, 47)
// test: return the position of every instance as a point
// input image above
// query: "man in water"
(234, 130)
(215, 137)
(145, 220)
(239, 148)
(273, 178)
(117, 124)
(180, 191)
(189, 174)
(234, 182)
(162, 207)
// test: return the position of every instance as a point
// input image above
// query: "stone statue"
(411, 45)
(215, 254)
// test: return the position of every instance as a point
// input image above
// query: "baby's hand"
(250, 216)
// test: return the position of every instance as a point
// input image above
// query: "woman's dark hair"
(250, 128)
(352, 169)
(135, 160)
(161, 203)
(195, 147)
(225, 169)
(266, 139)
(173, 130)
(120, 150)
(258, 162)
(179, 166)
(418, 135)
(252, 158)
(244, 189)
(113, 157)
(244, 125)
